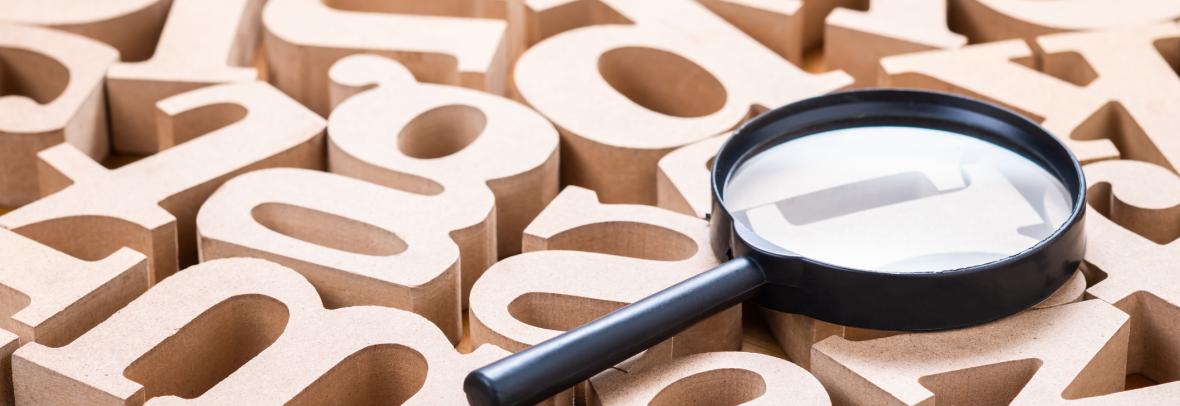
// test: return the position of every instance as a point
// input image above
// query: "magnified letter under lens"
(883, 209)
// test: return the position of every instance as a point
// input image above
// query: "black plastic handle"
(537, 373)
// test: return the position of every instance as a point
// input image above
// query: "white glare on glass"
(897, 199)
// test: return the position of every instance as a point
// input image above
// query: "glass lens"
(897, 199)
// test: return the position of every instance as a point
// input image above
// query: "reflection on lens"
(897, 199)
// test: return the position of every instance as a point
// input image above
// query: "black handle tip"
(479, 389)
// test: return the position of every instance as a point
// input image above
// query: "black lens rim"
(903, 301)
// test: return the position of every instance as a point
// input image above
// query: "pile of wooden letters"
(359, 201)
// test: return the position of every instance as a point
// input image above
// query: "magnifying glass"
(884, 209)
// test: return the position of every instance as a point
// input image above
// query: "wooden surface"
(475, 176)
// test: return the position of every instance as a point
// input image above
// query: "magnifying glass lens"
(897, 199)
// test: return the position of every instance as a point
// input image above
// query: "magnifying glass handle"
(546, 369)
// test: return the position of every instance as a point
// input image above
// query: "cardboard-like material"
(546, 18)
(247, 331)
(52, 298)
(202, 43)
(610, 255)
(854, 40)
(151, 205)
(1041, 356)
(8, 344)
(131, 26)
(796, 334)
(777, 24)
(304, 38)
(435, 183)
(583, 259)
(1107, 94)
(495, 155)
(1132, 231)
(683, 184)
(358, 243)
(55, 96)
(714, 378)
(631, 93)
(1134, 71)
(994, 20)
(792, 28)
(1055, 103)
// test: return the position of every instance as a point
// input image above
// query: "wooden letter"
(993, 20)
(8, 344)
(130, 26)
(203, 43)
(305, 37)
(151, 205)
(496, 156)
(624, 95)
(52, 298)
(854, 41)
(52, 93)
(714, 378)
(1131, 247)
(796, 334)
(683, 184)
(247, 331)
(583, 259)
(357, 242)
(1111, 93)
(777, 24)
(1037, 357)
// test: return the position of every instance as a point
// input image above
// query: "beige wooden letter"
(713, 378)
(8, 344)
(1037, 357)
(357, 242)
(305, 37)
(151, 205)
(993, 20)
(1110, 95)
(511, 11)
(855, 41)
(247, 331)
(777, 24)
(496, 156)
(796, 334)
(130, 26)
(52, 298)
(683, 183)
(1137, 81)
(53, 94)
(628, 94)
(546, 18)
(792, 28)
(583, 259)
(1132, 230)
(815, 14)
(203, 43)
